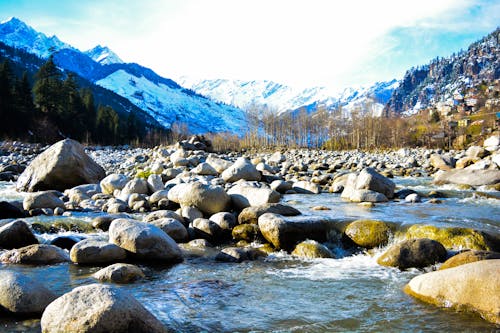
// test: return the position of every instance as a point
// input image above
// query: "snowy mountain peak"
(16, 33)
(103, 55)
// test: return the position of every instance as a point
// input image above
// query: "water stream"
(283, 294)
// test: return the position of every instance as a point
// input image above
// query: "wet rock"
(239, 254)
(311, 249)
(368, 233)
(98, 308)
(119, 273)
(246, 194)
(16, 234)
(413, 198)
(172, 227)
(241, 169)
(21, 295)
(281, 186)
(285, 232)
(418, 253)
(207, 198)
(367, 196)
(36, 254)
(10, 211)
(43, 199)
(103, 222)
(144, 241)
(455, 238)
(472, 287)
(468, 177)
(252, 214)
(466, 257)
(63, 165)
(90, 251)
(246, 232)
(65, 242)
(160, 214)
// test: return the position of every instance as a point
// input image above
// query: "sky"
(303, 43)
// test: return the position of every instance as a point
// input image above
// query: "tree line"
(54, 107)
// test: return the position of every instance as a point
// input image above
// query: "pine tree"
(48, 88)
(6, 98)
(24, 103)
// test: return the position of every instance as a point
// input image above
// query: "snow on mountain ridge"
(103, 55)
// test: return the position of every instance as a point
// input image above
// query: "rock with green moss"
(368, 233)
(418, 253)
(467, 257)
(246, 232)
(311, 249)
(455, 238)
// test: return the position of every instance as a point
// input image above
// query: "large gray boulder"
(145, 241)
(98, 308)
(241, 169)
(43, 199)
(218, 163)
(63, 165)
(90, 251)
(20, 294)
(246, 194)
(207, 198)
(474, 287)
(16, 234)
(172, 227)
(360, 187)
(251, 214)
(36, 254)
(285, 232)
(468, 177)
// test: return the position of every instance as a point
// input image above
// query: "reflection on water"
(283, 294)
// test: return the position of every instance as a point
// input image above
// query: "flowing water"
(283, 294)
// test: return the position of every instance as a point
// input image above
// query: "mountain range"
(219, 105)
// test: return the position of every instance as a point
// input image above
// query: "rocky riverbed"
(149, 217)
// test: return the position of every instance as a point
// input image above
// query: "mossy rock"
(71, 225)
(247, 232)
(467, 257)
(454, 238)
(311, 249)
(143, 174)
(418, 253)
(368, 233)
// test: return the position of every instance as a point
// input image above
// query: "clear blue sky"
(299, 42)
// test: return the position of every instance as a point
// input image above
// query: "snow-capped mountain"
(281, 98)
(16, 33)
(162, 98)
(103, 55)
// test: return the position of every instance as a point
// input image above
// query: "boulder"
(368, 233)
(276, 158)
(218, 163)
(492, 143)
(43, 199)
(172, 227)
(207, 198)
(155, 198)
(238, 254)
(205, 169)
(468, 177)
(112, 182)
(10, 211)
(241, 169)
(66, 242)
(441, 162)
(472, 287)
(252, 214)
(454, 238)
(20, 294)
(103, 222)
(418, 253)
(98, 308)
(365, 186)
(281, 186)
(189, 214)
(155, 183)
(160, 214)
(36, 254)
(119, 273)
(285, 232)
(311, 249)
(63, 165)
(466, 257)
(90, 251)
(306, 187)
(367, 196)
(476, 152)
(136, 185)
(144, 241)
(246, 194)
(206, 229)
(16, 234)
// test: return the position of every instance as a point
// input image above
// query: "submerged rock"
(36, 254)
(89, 251)
(468, 177)
(62, 166)
(119, 273)
(98, 308)
(20, 294)
(472, 287)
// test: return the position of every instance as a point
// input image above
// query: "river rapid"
(282, 294)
